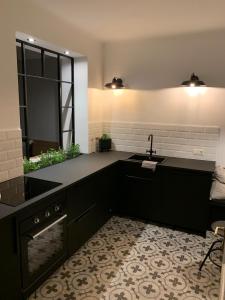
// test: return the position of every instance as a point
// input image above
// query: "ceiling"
(110, 20)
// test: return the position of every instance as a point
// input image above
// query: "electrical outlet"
(199, 152)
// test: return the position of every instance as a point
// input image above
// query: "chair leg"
(208, 253)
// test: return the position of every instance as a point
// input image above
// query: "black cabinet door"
(184, 198)
(80, 197)
(10, 285)
(136, 197)
(89, 206)
(79, 231)
(136, 190)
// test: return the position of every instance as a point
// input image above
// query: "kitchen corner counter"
(75, 170)
(80, 167)
(67, 173)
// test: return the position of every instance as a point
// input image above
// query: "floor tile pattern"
(131, 260)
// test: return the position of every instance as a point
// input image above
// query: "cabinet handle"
(49, 226)
(139, 178)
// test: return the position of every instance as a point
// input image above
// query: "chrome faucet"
(150, 151)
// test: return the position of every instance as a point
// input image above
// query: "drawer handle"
(139, 178)
(48, 227)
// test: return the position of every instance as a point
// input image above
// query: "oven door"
(42, 249)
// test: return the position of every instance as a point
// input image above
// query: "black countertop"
(74, 170)
(67, 173)
(189, 164)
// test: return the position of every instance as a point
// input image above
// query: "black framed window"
(46, 98)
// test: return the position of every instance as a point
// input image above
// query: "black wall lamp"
(117, 83)
(193, 81)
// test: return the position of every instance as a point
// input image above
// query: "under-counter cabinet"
(10, 285)
(185, 198)
(137, 190)
(172, 196)
(90, 204)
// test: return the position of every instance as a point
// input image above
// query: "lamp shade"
(117, 83)
(193, 81)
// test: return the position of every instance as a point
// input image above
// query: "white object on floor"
(149, 164)
(220, 174)
(217, 191)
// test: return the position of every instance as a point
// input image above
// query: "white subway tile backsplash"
(11, 161)
(4, 176)
(169, 139)
(95, 131)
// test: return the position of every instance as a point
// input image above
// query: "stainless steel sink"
(141, 157)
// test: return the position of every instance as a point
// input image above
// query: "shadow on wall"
(164, 62)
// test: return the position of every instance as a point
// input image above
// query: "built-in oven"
(43, 243)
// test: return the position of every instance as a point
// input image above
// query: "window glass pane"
(66, 92)
(22, 121)
(43, 116)
(66, 119)
(67, 139)
(33, 60)
(21, 90)
(65, 68)
(50, 65)
(19, 57)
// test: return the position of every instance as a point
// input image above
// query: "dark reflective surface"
(146, 157)
(20, 189)
(45, 247)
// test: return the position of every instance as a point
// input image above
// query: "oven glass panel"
(45, 247)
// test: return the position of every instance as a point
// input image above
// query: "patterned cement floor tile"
(130, 260)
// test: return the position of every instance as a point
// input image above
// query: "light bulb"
(31, 40)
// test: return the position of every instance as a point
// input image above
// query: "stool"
(219, 229)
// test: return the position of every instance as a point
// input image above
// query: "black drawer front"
(80, 198)
(81, 230)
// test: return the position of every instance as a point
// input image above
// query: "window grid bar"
(73, 114)
(59, 103)
(40, 48)
(46, 78)
(26, 128)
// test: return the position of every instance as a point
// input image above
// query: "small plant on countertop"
(105, 143)
(105, 136)
(29, 166)
(51, 157)
(73, 151)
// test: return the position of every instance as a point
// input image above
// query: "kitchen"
(112, 188)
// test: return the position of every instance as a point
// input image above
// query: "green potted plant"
(105, 143)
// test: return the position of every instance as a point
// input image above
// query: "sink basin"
(141, 157)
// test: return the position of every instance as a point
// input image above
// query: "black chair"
(219, 230)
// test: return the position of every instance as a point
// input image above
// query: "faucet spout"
(150, 151)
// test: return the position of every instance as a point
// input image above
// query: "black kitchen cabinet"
(170, 196)
(80, 230)
(10, 284)
(90, 205)
(185, 198)
(137, 189)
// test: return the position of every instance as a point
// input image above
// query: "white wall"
(153, 70)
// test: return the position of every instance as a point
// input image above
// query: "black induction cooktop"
(20, 189)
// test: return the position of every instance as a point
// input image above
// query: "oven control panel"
(44, 215)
